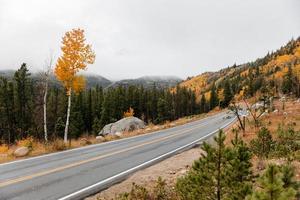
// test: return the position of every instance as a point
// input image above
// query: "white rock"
(99, 138)
(124, 125)
(21, 151)
(119, 134)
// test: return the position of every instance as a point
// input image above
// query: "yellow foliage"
(129, 113)
(221, 94)
(27, 142)
(197, 84)
(75, 57)
(3, 148)
(297, 52)
(240, 95)
(207, 95)
(278, 75)
(296, 71)
(245, 73)
(280, 60)
(78, 83)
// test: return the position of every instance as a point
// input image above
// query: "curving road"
(77, 173)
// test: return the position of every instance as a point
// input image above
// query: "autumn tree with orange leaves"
(76, 54)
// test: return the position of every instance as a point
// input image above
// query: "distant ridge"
(94, 80)
(149, 81)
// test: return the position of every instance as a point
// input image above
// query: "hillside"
(267, 75)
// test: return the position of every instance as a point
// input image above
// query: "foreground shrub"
(263, 145)
(160, 192)
(271, 186)
(287, 143)
(137, 193)
(220, 173)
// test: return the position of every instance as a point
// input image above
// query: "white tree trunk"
(45, 112)
(68, 116)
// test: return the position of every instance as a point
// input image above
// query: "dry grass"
(39, 147)
(3, 149)
(289, 116)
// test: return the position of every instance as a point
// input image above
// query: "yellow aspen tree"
(129, 112)
(76, 54)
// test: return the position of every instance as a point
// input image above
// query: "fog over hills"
(93, 80)
(149, 81)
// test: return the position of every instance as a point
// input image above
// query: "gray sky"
(133, 38)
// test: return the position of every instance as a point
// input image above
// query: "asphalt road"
(74, 174)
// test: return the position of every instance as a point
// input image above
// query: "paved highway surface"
(74, 174)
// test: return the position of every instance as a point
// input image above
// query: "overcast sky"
(133, 38)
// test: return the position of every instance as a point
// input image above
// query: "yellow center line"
(28, 177)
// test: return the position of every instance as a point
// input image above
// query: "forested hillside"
(274, 74)
(21, 106)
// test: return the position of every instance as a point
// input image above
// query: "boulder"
(106, 129)
(124, 125)
(21, 151)
(100, 138)
(119, 134)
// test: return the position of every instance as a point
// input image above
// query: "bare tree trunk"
(68, 116)
(45, 76)
(45, 111)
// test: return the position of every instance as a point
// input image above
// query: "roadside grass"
(40, 148)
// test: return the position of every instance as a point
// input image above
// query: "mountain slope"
(264, 75)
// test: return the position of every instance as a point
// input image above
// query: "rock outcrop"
(124, 125)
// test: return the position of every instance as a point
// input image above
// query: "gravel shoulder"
(169, 169)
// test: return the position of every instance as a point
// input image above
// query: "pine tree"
(77, 126)
(263, 144)
(7, 115)
(203, 107)
(89, 111)
(96, 126)
(288, 178)
(162, 110)
(240, 175)
(207, 179)
(227, 94)
(23, 98)
(214, 101)
(271, 186)
(107, 106)
(287, 84)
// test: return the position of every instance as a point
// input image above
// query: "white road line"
(73, 195)
(96, 145)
